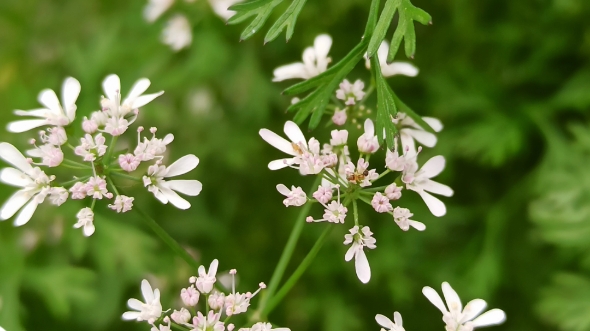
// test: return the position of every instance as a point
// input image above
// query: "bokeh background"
(509, 79)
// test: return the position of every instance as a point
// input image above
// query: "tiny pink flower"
(116, 126)
(295, 196)
(339, 137)
(401, 216)
(129, 162)
(339, 117)
(216, 300)
(57, 136)
(381, 203)
(181, 316)
(323, 194)
(351, 93)
(368, 142)
(393, 192)
(89, 125)
(50, 155)
(122, 204)
(58, 195)
(190, 296)
(97, 188)
(78, 191)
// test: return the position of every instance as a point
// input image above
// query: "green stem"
(117, 174)
(76, 164)
(178, 327)
(382, 174)
(287, 252)
(298, 272)
(355, 212)
(73, 181)
(374, 189)
(107, 159)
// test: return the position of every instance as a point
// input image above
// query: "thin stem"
(383, 174)
(178, 327)
(298, 272)
(374, 189)
(355, 212)
(112, 185)
(76, 164)
(73, 181)
(287, 252)
(118, 174)
(107, 159)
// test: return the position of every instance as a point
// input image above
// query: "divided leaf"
(386, 107)
(261, 8)
(288, 19)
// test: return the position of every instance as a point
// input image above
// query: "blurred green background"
(509, 79)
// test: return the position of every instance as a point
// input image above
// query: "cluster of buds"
(204, 305)
(92, 166)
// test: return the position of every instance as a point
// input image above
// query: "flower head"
(315, 61)
(150, 310)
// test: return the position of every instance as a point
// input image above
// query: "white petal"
(188, 187)
(322, 44)
(294, 133)
(134, 304)
(277, 141)
(425, 138)
(417, 225)
(10, 154)
(213, 267)
(174, 198)
(39, 112)
(491, 317)
(472, 309)
(160, 196)
(48, 99)
(384, 321)
(397, 317)
(361, 264)
(140, 86)
(24, 125)
(433, 167)
(369, 127)
(13, 204)
(399, 68)
(111, 86)
(283, 189)
(14, 177)
(146, 291)
(70, 92)
(451, 297)
(434, 298)
(383, 51)
(289, 71)
(182, 165)
(88, 229)
(436, 207)
(168, 138)
(131, 315)
(350, 253)
(434, 123)
(26, 213)
(436, 188)
(280, 163)
(144, 100)
(407, 143)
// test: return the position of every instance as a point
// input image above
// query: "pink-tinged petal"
(111, 86)
(135, 304)
(182, 166)
(434, 123)
(369, 127)
(436, 188)
(11, 155)
(280, 163)
(277, 141)
(407, 143)
(322, 45)
(436, 207)
(349, 253)
(425, 138)
(417, 225)
(14, 177)
(384, 321)
(294, 133)
(175, 199)
(434, 298)
(16, 201)
(397, 318)
(361, 264)
(283, 189)
(451, 297)
(490, 317)
(140, 86)
(38, 112)
(289, 71)
(146, 291)
(34, 152)
(70, 92)
(433, 167)
(399, 68)
(26, 213)
(472, 309)
(24, 125)
(48, 99)
(88, 229)
(144, 100)
(188, 187)
(213, 268)
(130, 315)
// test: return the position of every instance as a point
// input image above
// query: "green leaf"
(408, 13)
(386, 108)
(288, 19)
(372, 20)
(408, 111)
(382, 26)
(261, 8)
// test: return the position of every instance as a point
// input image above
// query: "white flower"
(165, 190)
(420, 182)
(360, 174)
(91, 147)
(155, 8)
(34, 184)
(410, 131)
(190, 296)
(264, 326)
(393, 192)
(206, 279)
(359, 242)
(339, 117)
(178, 33)
(50, 155)
(122, 204)
(324, 193)
(351, 93)
(148, 149)
(53, 113)
(181, 316)
(295, 196)
(208, 323)
(393, 68)
(388, 324)
(381, 203)
(401, 216)
(162, 327)
(315, 61)
(458, 318)
(394, 161)
(220, 8)
(58, 195)
(85, 219)
(339, 137)
(149, 311)
(368, 142)
(237, 303)
(216, 300)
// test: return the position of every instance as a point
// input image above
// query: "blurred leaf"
(261, 8)
(288, 19)
(565, 302)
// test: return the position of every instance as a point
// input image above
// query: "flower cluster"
(92, 175)
(202, 296)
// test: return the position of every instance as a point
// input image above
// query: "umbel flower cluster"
(93, 162)
(206, 306)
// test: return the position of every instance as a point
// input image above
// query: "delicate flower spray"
(93, 163)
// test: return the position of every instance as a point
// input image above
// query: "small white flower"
(53, 113)
(351, 93)
(208, 323)
(359, 241)
(360, 174)
(394, 161)
(381, 203)
(78, 191)
(122, 204)
(315, 61)
(149, 311)
(388, 324)
(91, 148)
(34, 184)
(165, 190)
(51, 156)
(393, 192)
(220, 8)
(339, 137)
(419, 181)
(216, 300)
(237, 303)
(58, 195)
(409, 131)
(181, 316)
(178, 33)
(206, 279)
(323, 194)
(148, 149)
(57, 136)
(368, 142)
(458, 318)
(162, 327)
(85, 219)
(393, 68)
(155, 8)
(190, 296)
(339, 117)
(295, 196)
(401, 216)
(97, 188)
